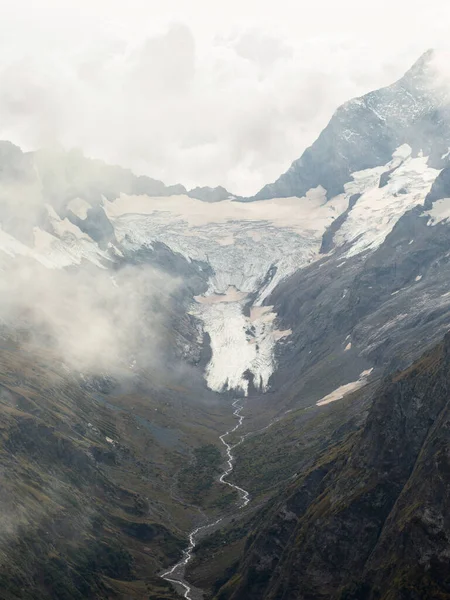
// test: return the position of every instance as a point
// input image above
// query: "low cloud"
(98, 321)
(194, 101)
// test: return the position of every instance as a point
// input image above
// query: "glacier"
(250, 248)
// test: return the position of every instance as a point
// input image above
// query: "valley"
(225, 398)
(176, 573)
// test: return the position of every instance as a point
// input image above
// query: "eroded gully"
(175, 575)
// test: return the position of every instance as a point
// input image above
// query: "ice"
(440, 211)
(251, 247)
(378, 209)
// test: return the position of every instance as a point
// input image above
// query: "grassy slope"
(269, 462)
(84, 517)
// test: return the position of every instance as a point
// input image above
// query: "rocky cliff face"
(369, 519)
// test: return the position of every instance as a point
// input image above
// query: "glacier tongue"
(239, 343)
(250, 247)
(232, 349)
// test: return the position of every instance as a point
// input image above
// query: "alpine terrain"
(210, 396)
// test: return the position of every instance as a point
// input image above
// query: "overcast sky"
(199, 92)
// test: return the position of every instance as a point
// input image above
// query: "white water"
(176, 573)
(244, 495)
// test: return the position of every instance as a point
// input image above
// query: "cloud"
(201, 95)
(96, 321)
(262, 49)
(165, 65)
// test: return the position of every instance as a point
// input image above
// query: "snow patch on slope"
(79, 207)
(378, 209)
(66, 246)
(440, 212)
(343, 390)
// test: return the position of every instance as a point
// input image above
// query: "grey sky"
(199, 92)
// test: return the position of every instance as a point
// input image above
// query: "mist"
(97, 322)
(58, 288)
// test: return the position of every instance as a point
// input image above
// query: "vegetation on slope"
(368, 520)
(90, 505)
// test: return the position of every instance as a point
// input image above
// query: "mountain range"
(134, 316)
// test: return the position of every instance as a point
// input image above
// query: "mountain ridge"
(360, 134)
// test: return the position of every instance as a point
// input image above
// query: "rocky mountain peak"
(364, 132)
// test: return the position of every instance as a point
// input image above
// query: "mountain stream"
(175, 575)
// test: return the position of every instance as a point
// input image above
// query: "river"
(176, 574)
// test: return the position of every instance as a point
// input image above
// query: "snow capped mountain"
(380, 157)
(252, 247)
(378, 208)
(364, 132)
